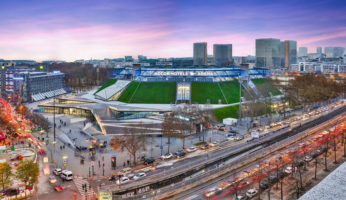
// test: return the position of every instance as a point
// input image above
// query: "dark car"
(148, 161)
(180, 154)
(273, 179)
(264, 185)
(282, 174)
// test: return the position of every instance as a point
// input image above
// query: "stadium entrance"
(183, 92)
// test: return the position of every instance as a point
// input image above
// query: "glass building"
(268, 53)
(334, 52)
(303, 51)
(200, 53)
(222, 54)
(319, 50)
(289, 52)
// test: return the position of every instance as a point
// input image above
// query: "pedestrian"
(124, 164)
(128, 162)
(99, 164)
(103, 158)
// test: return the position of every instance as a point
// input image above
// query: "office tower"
(319, 50)
(222, 54)
(303, 51)
(200, 53)
(289, 52)
(334, 52)
(268, 53)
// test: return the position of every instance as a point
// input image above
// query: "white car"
(191, 149)
(251, 193)
(66, 175)
(123, 180)
(139, 176)
(288, 170)
(167, 156)
(57, 171)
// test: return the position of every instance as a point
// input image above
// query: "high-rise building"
(200, 53)
(289, 52)
(319, 50)
(303, 51)
(334, 52)
(268, 53)
(222, 54)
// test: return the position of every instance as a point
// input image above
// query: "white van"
(66, 175)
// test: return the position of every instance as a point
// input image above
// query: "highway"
(189, 167)
(268, 162)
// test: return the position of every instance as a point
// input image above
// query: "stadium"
(146, 93)
(160, 85)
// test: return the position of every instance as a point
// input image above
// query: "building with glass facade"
(289, 52)
(200, 53)
(303, 51)
(268, 53)
(334, 52)
(222, 54)
(319, 50)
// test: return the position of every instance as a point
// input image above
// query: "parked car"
(191, 149)
(238, 138)
(251, 193)
(123, 180)
(308, 158)
(288, 170)
(205, 146)
(52, 180)
(139, 176)
(180, 154)
(273, 179)
(57, 171)
(148, 161)
(264, 185)
(66, 175)
(167, 156)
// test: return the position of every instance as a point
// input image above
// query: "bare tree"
(132, 141)
(168, 127)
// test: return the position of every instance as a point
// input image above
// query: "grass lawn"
(106, 84)
(127, 94)
(231, 91)
(225, 112)
(262, 84)
(201, 91)
(150, 92)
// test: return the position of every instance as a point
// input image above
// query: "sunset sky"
(84, 29)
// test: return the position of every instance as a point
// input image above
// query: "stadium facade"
(206, 74)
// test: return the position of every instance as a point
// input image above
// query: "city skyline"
(63, 30)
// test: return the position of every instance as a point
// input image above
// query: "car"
(238, 138)
(213, 144)
(66, 175)
(148, 161)
(211, 191)
(125, 170)
(191, 149)
(251, 193)
(241, 197)
(282, 174)
(224, 185)
(230, 138)
(167, 156)
(52, 180)
(57, 171)
(273, 179)
(308, 158)
(180, 154)
(264, 185)
(231, 134)
(123, 180)
(139, 176)
(205, 146)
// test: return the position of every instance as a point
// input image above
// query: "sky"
(84, 29)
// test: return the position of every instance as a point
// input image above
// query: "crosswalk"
(89, 194)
